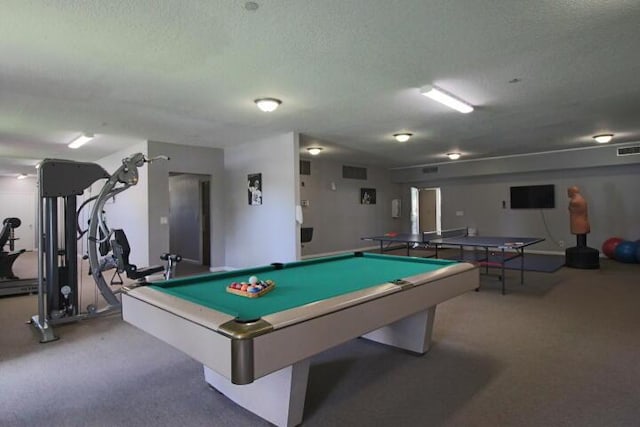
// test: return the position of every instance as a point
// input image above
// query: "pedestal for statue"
(582, 256)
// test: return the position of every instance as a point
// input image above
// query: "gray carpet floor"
(562, 350)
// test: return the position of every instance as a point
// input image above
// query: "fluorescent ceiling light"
(402, 137)
(603, 139)
(453, 156)
(81, 140)
(268, 104)
(314, 151)
(22, 176)
(446, 99)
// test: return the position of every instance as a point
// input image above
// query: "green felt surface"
(298, 283)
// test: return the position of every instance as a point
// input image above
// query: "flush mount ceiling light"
(22, 176)
(402, 137)
(81, 140)
(453, 156)
(604, 138)
(268, 104)
(314, 151)
(446, 99)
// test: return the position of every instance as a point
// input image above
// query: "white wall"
(258, 235)
(185, 159)
(18, 198)
(129, 210)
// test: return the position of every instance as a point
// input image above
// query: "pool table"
(256, 351)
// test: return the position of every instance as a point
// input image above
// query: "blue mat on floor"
(538, 262)
(532, 262)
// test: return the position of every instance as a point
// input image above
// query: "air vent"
(353, 172)
(629, 151)
(305, 167)
(430, 169)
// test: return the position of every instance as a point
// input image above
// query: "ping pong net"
(443, 234)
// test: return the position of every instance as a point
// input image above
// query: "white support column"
(278, 397)
(412, 333)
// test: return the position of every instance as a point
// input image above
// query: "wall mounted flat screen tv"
(533, 197)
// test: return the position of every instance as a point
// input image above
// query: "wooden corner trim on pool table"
(322, 307)
(210, 319)
(441, 273)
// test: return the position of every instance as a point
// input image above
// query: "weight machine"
(59, 184)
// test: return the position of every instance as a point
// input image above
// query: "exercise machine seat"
(121, 250)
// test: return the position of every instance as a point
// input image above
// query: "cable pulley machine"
(60, 182)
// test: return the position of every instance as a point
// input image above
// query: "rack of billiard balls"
(254, 288)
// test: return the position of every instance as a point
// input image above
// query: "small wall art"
(368, 196)
(255, 189)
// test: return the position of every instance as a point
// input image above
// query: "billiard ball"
(253, 280)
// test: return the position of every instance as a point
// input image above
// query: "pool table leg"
(277, 397)
(412, 333)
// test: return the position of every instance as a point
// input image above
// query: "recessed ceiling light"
(453, 156)
(22, 176)
(515, 80)
(445, 99)
(604, 138)
(268, 104)
(81, 140)
(314, 151)
(251, 6)
(402, 137)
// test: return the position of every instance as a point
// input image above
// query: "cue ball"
(253, 280)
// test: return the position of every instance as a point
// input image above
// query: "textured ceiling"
(348, 73)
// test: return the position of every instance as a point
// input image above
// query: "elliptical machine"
(10, 284)
(59, 184)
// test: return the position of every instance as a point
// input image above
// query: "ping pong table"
(389, 241)
(504, 248)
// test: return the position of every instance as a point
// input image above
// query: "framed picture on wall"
(255, 189)
(368, 196)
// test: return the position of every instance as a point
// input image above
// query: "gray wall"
(338, 218)
(257, 235)
(185, 159)
(609, 188)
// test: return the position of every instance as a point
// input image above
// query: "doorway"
(425, 209)
(189, 217)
